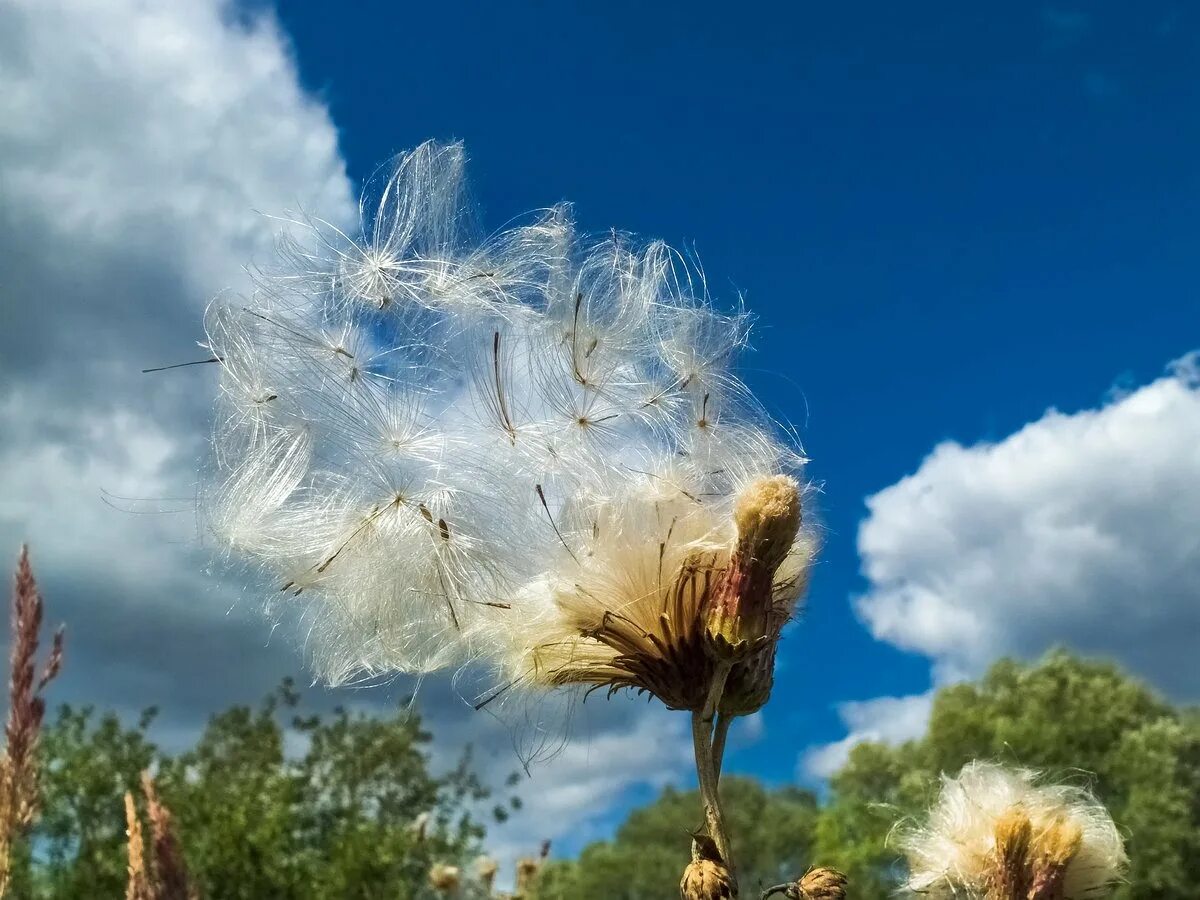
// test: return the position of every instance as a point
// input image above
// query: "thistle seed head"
(527, 873)
(1000, 834)
(444, 878)
(529, 450)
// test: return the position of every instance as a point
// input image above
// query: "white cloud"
(137, 141)
(590, 760)
(1079, 529)
(890, 720)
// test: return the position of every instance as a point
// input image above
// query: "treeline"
(272, 802)
(352, 811)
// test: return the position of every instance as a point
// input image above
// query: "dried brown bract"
(706, 877)
(818, 883)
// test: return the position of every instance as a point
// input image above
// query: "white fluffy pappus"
(957, 853)
(438, 446)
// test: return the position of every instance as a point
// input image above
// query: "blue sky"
(948, 218)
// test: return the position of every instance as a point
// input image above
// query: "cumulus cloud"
(1079, 529)
(890, 720)
(138, 141)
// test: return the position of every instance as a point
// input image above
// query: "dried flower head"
(706, 877)
(444, 878)
(527, 449)
(999, 834)
(527, 873)
(818, 883)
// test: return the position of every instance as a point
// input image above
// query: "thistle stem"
(720, 733)
(707, 770)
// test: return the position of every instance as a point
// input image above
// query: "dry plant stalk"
(138, 886)
(26, 709)
(170, 877)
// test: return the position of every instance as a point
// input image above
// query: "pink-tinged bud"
(741, 616)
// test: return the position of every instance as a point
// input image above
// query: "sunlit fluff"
(961, 851)
(443, 449)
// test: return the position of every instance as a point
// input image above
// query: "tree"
(88, 765)
(269, 803)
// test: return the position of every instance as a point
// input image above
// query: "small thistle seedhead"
(740, 616)
(444, 878)
(527, 873)
(999, 834)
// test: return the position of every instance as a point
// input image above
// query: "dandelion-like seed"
(999, 834)
(528, 451)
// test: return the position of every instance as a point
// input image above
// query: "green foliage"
(773, 836)
(271, 803)
(320, 809)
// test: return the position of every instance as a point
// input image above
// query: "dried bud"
(444, 879)
(741, 615)
(819, 883)
(822, 884)
(706, 877)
